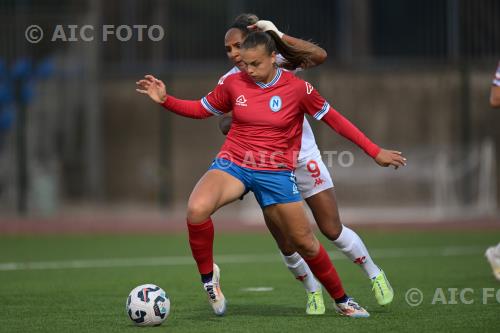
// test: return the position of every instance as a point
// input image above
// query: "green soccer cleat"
(382, 289)
(315, 304)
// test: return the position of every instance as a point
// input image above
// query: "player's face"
(258, 64)
(232, 43)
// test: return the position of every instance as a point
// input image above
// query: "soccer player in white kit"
(313, 179)
(493, 252)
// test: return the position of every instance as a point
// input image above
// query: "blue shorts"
(269, 187)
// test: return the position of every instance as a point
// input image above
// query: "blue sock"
(205, 278)
(343, 299)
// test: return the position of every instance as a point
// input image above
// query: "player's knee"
(331, 226)
(334, 232)
(286, 247)
(199, 210)
(305, 246)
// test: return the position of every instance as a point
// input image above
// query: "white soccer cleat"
(493, 256)
(351, 308)
(216, 298)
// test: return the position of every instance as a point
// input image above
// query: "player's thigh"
(324, 207)
(215, 189)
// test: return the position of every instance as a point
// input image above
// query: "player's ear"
(273, 58)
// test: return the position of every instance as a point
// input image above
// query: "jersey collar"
(273, 81)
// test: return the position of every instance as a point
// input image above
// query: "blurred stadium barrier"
(439, 183)
(91, 140)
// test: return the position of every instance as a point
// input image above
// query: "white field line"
(234, 259)
(257, 289)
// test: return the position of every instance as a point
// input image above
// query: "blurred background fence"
(414, 75)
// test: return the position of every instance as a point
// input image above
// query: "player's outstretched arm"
(156, 90)
(347, 129)
(314, 104)
(318, 54)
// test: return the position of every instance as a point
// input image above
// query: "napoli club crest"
(275, 103)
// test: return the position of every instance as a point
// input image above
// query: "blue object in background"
(3, 70)
(45, 69)
(7, 117)
(27, 92)
(6, 93)
(21, 69)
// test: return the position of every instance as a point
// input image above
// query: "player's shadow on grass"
(253, 310)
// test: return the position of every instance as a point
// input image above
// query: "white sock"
(497, 250)
(301, 271)
(353, 247)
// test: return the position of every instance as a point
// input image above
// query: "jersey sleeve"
(217, 101)
(186, 108)
(313, 103)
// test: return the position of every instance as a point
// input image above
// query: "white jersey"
(308, 146)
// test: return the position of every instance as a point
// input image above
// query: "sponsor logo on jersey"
(241, 101)
(309, 88)
(275, 103)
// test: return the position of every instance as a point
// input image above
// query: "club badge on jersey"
(275, 103)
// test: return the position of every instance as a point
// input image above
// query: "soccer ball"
(147, 305)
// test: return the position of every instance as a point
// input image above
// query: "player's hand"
(263, 25)
(387, 158)
(152, 87)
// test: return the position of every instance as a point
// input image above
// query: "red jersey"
(267, 118)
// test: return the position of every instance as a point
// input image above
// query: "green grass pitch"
(80, 284)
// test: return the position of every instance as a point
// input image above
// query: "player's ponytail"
(294, 57)
(272, 42)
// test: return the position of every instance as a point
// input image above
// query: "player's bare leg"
(324, 208)
(290, 218)
(215, 189)
(300, 270)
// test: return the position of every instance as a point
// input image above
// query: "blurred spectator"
(493, 252)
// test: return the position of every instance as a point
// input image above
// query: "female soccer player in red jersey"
(313, 179)
(259, 155)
